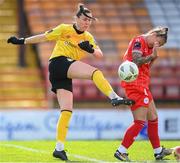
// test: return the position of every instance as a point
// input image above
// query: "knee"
(153, 117)
(140, 122)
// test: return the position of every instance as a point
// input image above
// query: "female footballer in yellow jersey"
(73, 42)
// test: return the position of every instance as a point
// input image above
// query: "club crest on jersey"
(68, 36)
(137, 45)
(146, 100)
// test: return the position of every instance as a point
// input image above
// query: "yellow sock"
(62, 125)
(101, 83)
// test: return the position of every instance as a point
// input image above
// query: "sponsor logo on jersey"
(69, 44)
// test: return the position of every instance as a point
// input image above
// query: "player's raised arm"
(139, 59)
(154, 52)
(155, 38)
(29, 40)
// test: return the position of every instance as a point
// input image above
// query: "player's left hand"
(86, 46)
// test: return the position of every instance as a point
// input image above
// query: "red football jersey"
(139, 44)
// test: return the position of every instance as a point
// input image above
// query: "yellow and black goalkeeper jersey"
(67, 40)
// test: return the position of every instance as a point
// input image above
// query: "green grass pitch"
(78, 151)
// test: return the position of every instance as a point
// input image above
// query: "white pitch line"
(43, 151)
(24, 148)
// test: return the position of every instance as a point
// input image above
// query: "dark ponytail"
(82, 10)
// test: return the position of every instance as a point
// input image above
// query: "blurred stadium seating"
(119, 21)
(21, 87)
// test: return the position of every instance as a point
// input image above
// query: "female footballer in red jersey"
(142, 50)
(73, 42)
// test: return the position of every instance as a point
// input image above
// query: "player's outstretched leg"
(60, 154)
(164, 152)
(103, 85)
(122, 101)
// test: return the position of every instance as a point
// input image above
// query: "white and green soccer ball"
(128, 71)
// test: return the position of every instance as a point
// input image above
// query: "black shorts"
(58, 68)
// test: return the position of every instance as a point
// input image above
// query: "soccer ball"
(176, 153)
(128, 71)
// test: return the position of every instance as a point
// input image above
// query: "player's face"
(160, 40)
(84, 22)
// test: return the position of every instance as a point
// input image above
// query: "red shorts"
(142, 96)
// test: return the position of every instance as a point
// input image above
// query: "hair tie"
(81, 7)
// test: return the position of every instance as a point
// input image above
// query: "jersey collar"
(77, 31)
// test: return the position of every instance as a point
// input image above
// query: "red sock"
(153, 133)
(132, 132)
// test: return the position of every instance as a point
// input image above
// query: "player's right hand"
(156, 44)
(154, 53)
(15, 40)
